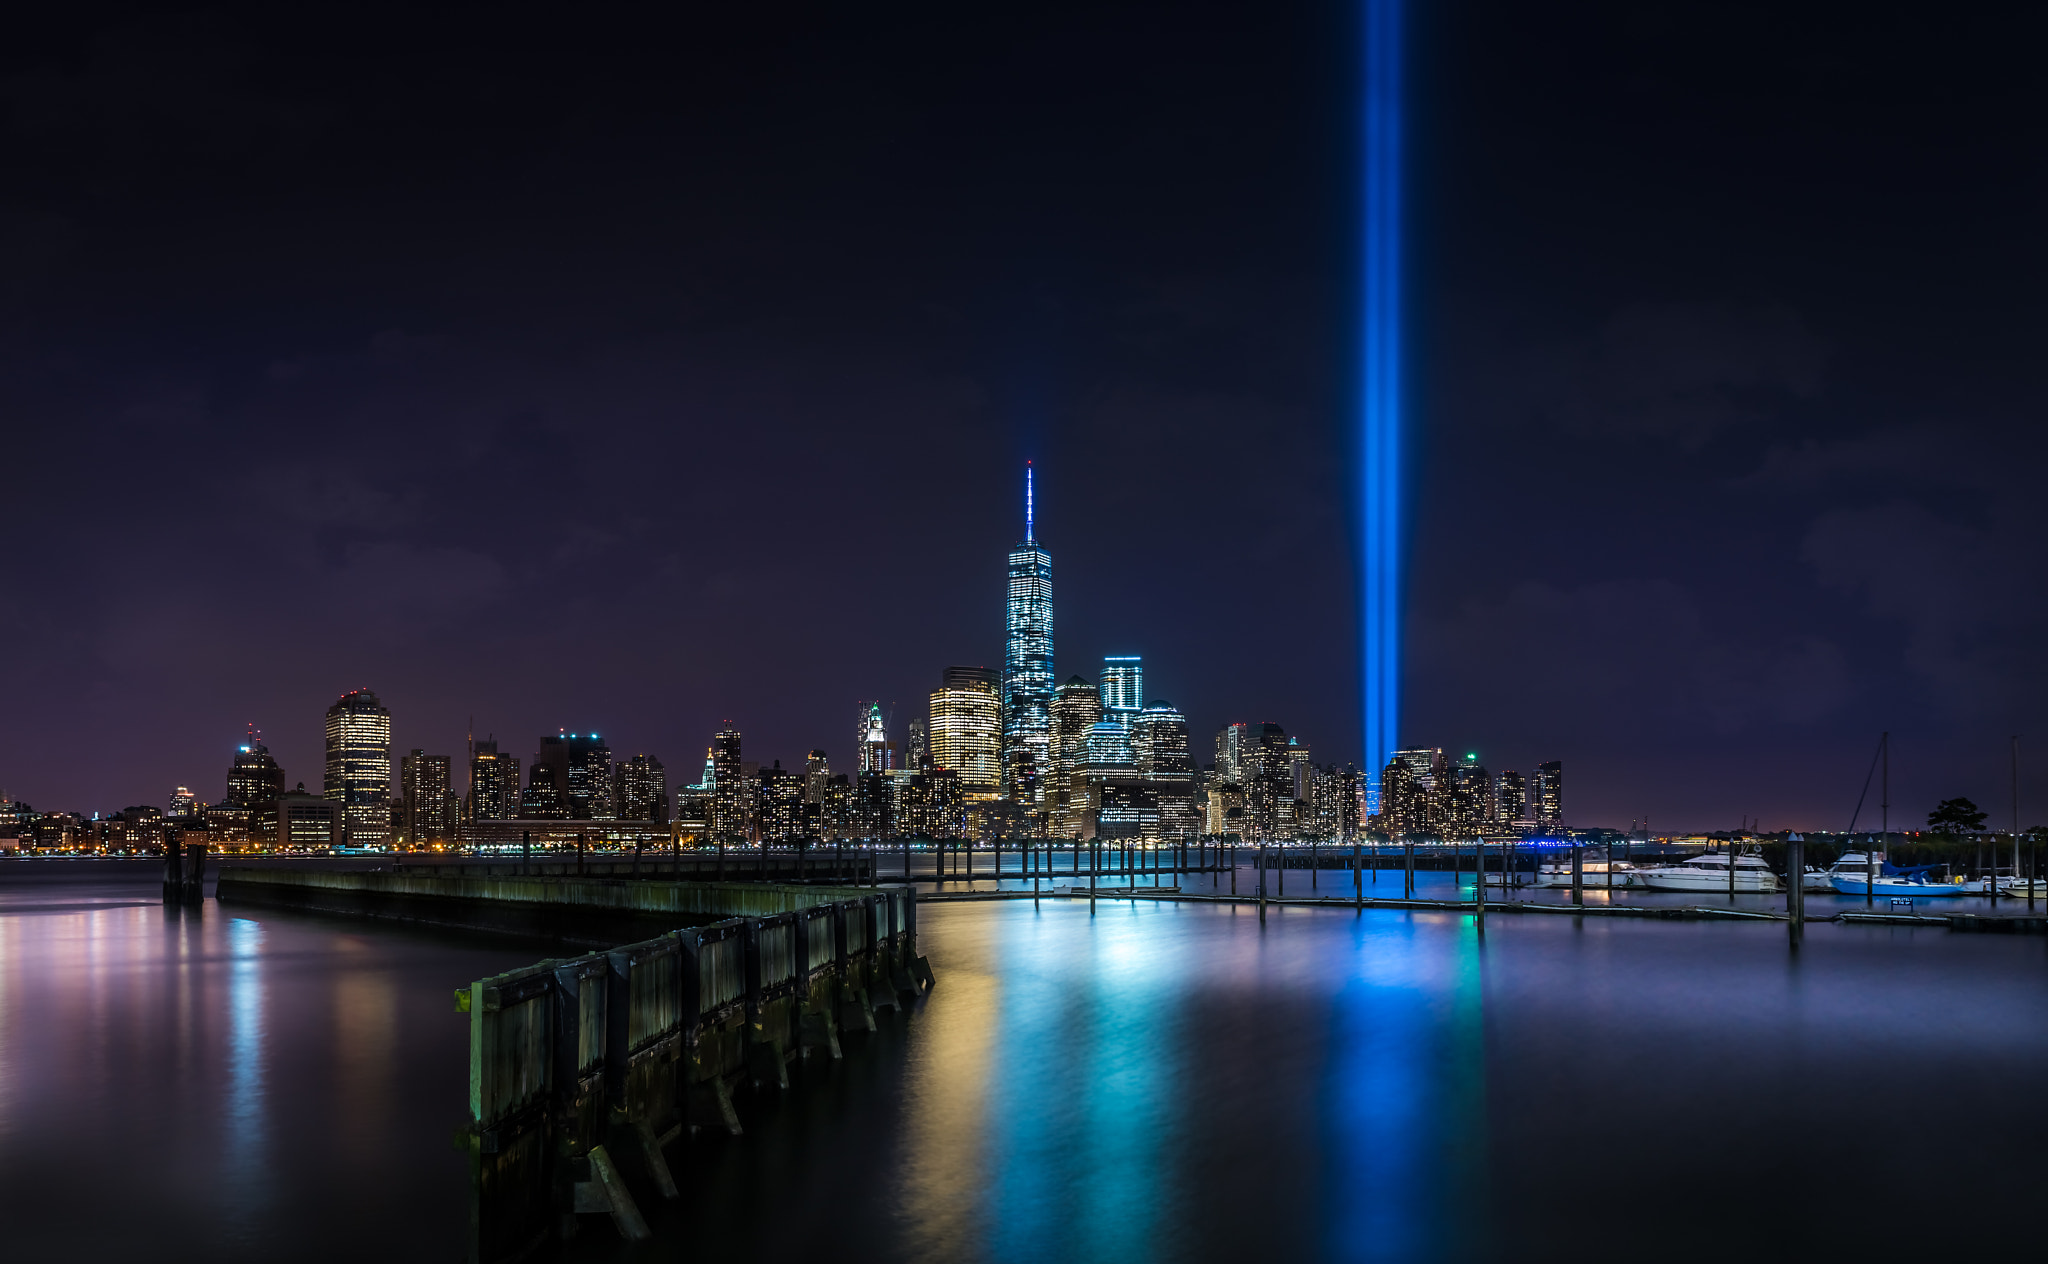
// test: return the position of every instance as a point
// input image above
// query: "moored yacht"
(1913, 882)
(1592, 874)
(1848, 864)
(1708, 875)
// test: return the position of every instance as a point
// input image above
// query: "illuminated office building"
(310, 822)
(1075, 712)
(1466, 799)
(872, 739)
(1123, 686)
(778, 803)
(817, 772)
(254, 779)
(1426, 784)
(1549, 794)
(967, 727)
(730, 807)
(183, 803)
(640, 790)
(426, 798)
(1159, 742)
(1510, 798)
(1268, 772)
(1027, 665)
(1402, 803)
(493, 782)
(1233, 749)
(359, 767)
(1076, 709)
(543, 799)
(578, 768)
(1330, 809)
(1159, 745)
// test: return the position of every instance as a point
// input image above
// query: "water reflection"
(1151, 1083)
(364, 1024)
(1407, 1082)
(174, 1081)
(244, 1110)
(1116, 1072)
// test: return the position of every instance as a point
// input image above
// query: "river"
(1168, 1082)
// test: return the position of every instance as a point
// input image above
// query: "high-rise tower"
(359, 766)
(1549, 795)
(966, 727)
(1027, 665)
(1123, 687)
(254, 779)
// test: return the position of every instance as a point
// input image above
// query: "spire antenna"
(1027, 502)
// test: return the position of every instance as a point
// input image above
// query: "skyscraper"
(578, 766)
(1123, 686)
(1027, 665)
(1233, 749)
(426, 797)
(1159, 741)
(254, 779)
(817, 774)
(543, 799)
(359, 766)
(1549, 794)
(1510, 797)
(1075, 711)
(1268, 771)
(729, 805)
(1466, 800)
(640, 790)
(493, 782)
(1160, 745)
(590, 779)
(967, 727)
(779, 803)
(871, 738)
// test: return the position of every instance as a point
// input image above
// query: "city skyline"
(1000, 752)
(351, 772)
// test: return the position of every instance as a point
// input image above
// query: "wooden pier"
(596, 909)
(582, 1072)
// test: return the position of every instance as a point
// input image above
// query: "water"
(1154, 1082)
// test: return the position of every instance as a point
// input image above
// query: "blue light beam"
(1380, 405)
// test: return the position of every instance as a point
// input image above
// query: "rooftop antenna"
(1027, 502)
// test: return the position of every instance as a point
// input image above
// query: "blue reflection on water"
(1079, 1127)
(1406, 1080)
(244, 1108)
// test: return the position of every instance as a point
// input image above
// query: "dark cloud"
(1684, 372)
(646, 370)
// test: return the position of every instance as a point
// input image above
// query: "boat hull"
(1711, 883)
(1917, 890)
(1592, 881)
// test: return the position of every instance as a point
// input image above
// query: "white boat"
(2008, 886)
(1850, 877)
(1848, 865)
(2016, 888)
(1593, 874)
(1708, 875)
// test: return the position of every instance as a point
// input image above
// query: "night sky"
(570, 368)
